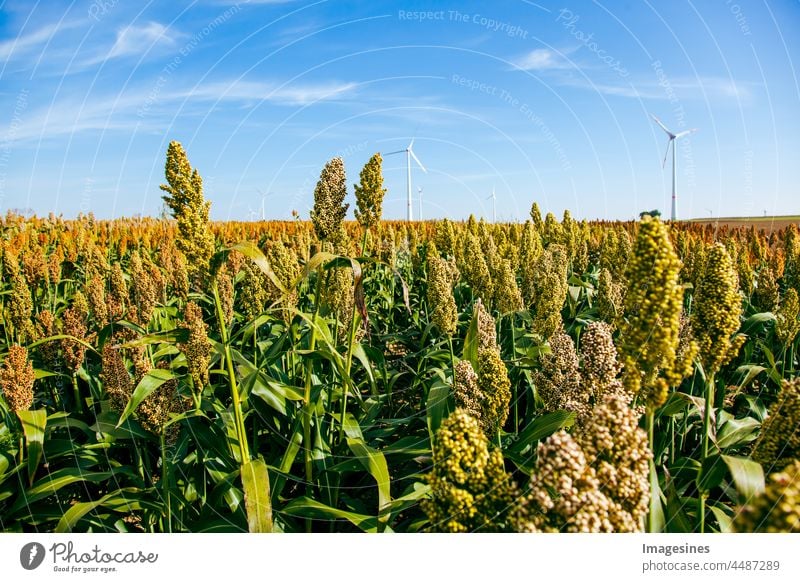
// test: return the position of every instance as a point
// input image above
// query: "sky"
(546, 102)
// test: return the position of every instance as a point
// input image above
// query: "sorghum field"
(322, 375)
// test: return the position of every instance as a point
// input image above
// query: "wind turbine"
(409, 151)
(494, 205)
(263, 196)
(670, 142)
(419, 189)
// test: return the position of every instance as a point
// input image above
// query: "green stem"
(452, 357)
(77, 392)
(307, 394)
(515, 386)
(650, 439)
(241, 434)
(165, 483)
(709, 397)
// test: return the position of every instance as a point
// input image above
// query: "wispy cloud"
(17, 47)
(263, 91)
(132, 40)
(543, 59)
(124, 112)
(681, 88)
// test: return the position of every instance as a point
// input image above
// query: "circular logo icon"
(31, 555)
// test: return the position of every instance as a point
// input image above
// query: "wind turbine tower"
(409, 151)
(671, 143)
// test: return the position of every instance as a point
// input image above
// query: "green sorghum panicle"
(549, 290)
(779, 441)
(197, 348)
(369, 193)
(716, 310)
(496, 388)
(329, 208)
(475, 269)
(470, 490)
(184, 197)
(444, 313)
(787, 325)
(653, 305)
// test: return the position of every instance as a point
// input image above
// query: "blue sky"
(540, 101)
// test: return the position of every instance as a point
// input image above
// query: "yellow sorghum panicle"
(444, 313)
(787, 325)
(16, 379)
(779, 441)
(507, 297)
(470, 490)
(777, 510)
(766, 294)
(47, 328)
(154, 411)
(75, 320)
(118, 293)
(253, 293)
(716, 310)
(286, 269)
(475, 269)
(653, 304)
(549, 290)
(564, 493)
(143, 289)
(487, 332)
(598, 354)
(19, 307)
(619, 452)
(496, 389)
(117, 381)
(558, 382)
(337, 292)
(96, 295)
(329, 210)
(445, 238)
(530, 249)
(536, 217)
(369, 193)
(552, 232)
(467, 394)
(225, 289)
(190, 209)
(609, 298)
(197, 348)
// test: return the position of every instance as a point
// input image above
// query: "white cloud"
(259, 91)
(542, 60)
(133, 40)
(16, 47)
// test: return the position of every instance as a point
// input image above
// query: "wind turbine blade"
(687, 132)
(397, 152)
(416, 159)
(411, 145)
(664, 127)
(666, 153)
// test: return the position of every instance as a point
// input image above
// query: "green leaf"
(757, 319)
(255, 482)
(723, 519)
(711, 473)
(147, 385)
(310, 508)
(75, 513)
(471, 342)
(747, 475)
(436, 406)
(252, 252)
(737, 432)
(33, 425)
(375, 464)
(656, 515)
(540, 428)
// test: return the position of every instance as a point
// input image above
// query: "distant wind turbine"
(671, 142)
(409, 151)
(263, 197)
(494, 205)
